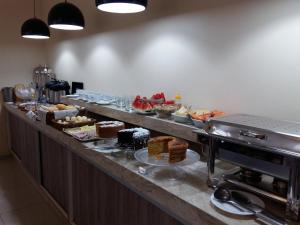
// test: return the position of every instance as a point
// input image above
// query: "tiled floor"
(20, 202)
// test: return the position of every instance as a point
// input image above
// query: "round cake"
(134, 137)
(109, 129)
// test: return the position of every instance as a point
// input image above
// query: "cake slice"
(177, 150)
(175, 147)
(158, 145)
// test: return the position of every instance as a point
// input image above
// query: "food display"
(182, 115)
(109, 129)
(204, 114)
(134, 137)
(158, 98)
(200, 114)
(182, 111)
(142, 105)
(165, 110)
(175, 148)
(84, 133)
(52, 113)
(74, 121)
(146, 105)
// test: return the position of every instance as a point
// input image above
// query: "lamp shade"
(121, 6)
(35, 29)
(66, 16)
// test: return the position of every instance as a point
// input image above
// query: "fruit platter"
(149, 106)
(200, 117)
(142, 105)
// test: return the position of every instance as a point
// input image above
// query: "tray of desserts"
(48, 112)
(167, 151)
(83, 134)
(71, 122)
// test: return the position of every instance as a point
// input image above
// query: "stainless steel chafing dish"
(265, 150)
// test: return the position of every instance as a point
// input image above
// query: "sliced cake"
(167, 144)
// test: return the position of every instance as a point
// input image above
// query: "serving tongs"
(243, 203)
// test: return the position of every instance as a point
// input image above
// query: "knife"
(258, 211)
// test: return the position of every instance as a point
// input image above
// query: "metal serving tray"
(277, 136)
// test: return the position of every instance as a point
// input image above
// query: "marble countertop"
(187, 198)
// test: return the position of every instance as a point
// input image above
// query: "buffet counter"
(150, 122)
(95, 182)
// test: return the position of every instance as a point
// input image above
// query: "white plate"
(103, 146)
(143, 157)
(181, 119)
(102, 102)
(227, 207)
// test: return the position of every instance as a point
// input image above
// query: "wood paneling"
(31, 151)
(17, 135)
(54, 162)
(25, 144)
(99, 199)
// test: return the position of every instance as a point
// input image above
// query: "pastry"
(135, 137)
(183, 111)
(61, 106)
(109, 129)
(83, 133)
(167, 144)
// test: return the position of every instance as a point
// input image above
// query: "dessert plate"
(163, 160)
(103, 102)
(227, 207)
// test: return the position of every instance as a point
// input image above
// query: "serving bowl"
(199, 123)
(181, 119)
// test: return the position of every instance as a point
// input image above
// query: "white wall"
(240, 56)
(18, 56)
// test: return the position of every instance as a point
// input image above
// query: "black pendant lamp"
(35, 28)
(66, 16)
(122, 6)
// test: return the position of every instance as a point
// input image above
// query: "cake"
(136, 138)
(109, 129)
(175, 147)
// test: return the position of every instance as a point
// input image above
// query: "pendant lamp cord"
(34, 8)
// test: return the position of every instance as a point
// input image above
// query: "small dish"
(199, 123)
(103, 102)
(181, 119)
(164, 113)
